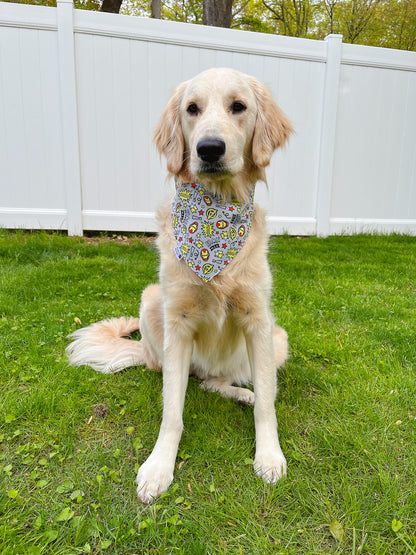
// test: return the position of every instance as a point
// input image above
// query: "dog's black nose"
(210, 149)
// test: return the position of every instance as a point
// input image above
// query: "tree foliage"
(292, 17)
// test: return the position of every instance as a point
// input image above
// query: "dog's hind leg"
(280, 344)
(151, 325)
(224, 387)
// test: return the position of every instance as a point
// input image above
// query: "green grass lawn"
(71, 440)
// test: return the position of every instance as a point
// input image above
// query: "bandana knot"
(209, 231)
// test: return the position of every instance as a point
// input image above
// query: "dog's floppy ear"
(168, 135)
(272, 126)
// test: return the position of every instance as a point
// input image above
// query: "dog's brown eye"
(237, 107)
(193, 109)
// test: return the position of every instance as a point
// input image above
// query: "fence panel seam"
(328, 130)
(71, 155)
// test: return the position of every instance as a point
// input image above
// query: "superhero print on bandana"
(209, 231)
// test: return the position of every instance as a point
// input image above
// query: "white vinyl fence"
(81, 91)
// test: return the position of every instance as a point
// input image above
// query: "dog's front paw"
(270, 466)
(153, 479)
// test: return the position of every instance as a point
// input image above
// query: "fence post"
(328, 128)
(67, 77)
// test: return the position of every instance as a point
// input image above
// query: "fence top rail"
(199, 36)
(28, 16)
(384, 58)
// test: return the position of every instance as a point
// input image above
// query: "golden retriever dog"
(210, 313)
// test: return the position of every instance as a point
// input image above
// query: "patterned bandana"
(209, 231)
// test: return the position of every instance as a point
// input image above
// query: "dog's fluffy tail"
(103, 346)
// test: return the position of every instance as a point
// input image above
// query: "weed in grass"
(71, 439)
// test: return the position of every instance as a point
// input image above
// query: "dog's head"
(221, 128)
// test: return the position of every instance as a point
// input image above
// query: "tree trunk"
(112, 6)
(155, 9)
(218, 13)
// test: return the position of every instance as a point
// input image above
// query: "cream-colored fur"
(223, 330)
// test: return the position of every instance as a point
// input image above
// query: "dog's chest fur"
(220, 312)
